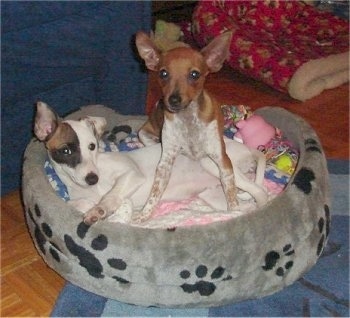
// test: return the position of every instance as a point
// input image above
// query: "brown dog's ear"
(147, 50)
(98, 124)
(46, 121)
(217, 51)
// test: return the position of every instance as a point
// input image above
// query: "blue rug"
(322, 292)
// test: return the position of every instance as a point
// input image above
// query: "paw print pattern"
(111, 136)
(204, 287)
(43, 234)
(272, 259)
(87, 258)
(312, 145)
(323, 227)
(303, 180)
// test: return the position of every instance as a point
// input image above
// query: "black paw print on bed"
(323, 226)
(280, 261)
(43, 235)
(305, 176)
(87, 258)
(303, 181)
(117, 133)
(203, 284)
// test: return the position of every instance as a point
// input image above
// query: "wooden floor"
(29, 287)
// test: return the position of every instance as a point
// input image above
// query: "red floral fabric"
(271, 39)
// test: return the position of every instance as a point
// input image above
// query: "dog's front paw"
(144, 214)
(140, 217)
(232, 204)
(93, 215)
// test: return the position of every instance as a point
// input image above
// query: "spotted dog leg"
(161, 180)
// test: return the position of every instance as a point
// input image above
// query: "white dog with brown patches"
(98, 183)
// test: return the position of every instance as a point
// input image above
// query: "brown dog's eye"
(163, 74)
(194, 75)
(92, 146)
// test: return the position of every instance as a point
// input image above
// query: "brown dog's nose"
(175, 100)
(91, 178)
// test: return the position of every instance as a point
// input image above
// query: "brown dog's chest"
(186, 133)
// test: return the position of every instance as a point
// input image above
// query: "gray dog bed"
(250, 256)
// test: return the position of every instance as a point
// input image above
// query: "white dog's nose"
(91, 178)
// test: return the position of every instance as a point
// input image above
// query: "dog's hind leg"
(255, 190)
(260, 166)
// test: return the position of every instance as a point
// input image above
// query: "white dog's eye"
(92, 147)
(65, 150)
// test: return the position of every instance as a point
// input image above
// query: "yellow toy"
(285, 163)
(166, 36)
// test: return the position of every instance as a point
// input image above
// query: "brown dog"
(187, 119)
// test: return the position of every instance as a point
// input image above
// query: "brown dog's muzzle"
(175, 103)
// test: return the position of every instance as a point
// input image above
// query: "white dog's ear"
(217, 51)
(147, 50)
(98, 124)
(46, 121)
